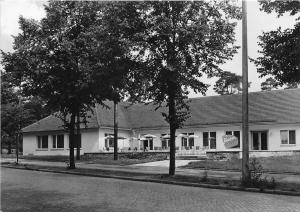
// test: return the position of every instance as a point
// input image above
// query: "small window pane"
(54, 141)
(228, 133)
(60, 141)
(213, 143)
(45, 141)
(205, 138)
(39, 142)
(292, 137)
(284, 136)
(237, 134)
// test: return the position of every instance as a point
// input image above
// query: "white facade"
(94, 140)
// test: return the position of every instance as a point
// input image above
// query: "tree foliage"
(113, 41)
(178, 43)
(228, 83)
(269, 84)
(280, 48)
(54, 60)
(17, 111)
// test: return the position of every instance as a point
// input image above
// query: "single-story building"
(214, 126)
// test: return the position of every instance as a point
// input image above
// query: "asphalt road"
(24, 190)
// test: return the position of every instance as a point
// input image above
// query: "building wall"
(122, 143)
(88, 140)
(93, 140)
(273, 132)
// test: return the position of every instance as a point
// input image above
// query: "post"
(71, 140)
(115, 131)
(19, 125)
(78, 137)
(245, 159)
(17, 146)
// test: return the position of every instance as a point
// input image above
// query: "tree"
(17, 111)
(228, 83)
(116, 48)
(269, 84)
(280, 48)
(114, 51)
(292, 85)
(179, 43)
(55, 62)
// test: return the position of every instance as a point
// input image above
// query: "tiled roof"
(278, 106)
(53, 123)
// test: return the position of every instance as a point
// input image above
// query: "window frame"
(41, 142)
(55, 141)
(288, 137)
(109, 141)
(209, 139)
(187, 140)
(233, 133)
(165, 141)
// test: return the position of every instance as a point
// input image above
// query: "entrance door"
(148, 144)
(145, 144)
(260, 140)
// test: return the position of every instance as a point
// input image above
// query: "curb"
(236, 170)
(199, 185)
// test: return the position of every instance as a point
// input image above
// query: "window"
(165, 142)
(42, 142)
(187, 141)
(58, 141)
(209, 140)
(288, 136)
(236, 134)
(259, 140)
(109, 140)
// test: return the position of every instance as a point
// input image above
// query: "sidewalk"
(159, 167)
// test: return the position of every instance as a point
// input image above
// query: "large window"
(58, 141)
(236, 134)
(288, 136)
(42, 142)
(187, 140)
(259, 140)
(209, 140)
(109, 140)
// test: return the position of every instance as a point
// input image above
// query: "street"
(24, 190)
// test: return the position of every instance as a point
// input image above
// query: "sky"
(258, 22)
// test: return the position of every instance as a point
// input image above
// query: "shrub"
(256, 178)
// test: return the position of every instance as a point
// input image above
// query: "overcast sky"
(258, 21)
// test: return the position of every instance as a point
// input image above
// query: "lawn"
(272, 164)
(107, 159)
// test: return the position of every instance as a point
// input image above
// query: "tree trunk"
(115, 131)
(172, 114)
(78, 137)
(72, 138)
(9, 148)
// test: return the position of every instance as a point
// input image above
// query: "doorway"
(148, 144)
(259, 140)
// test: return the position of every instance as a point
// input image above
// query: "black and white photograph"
(150, 106)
